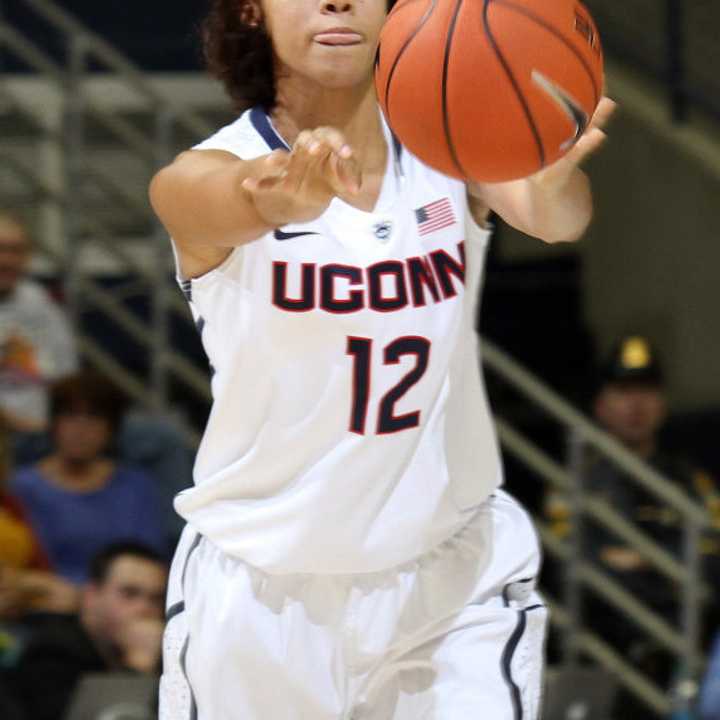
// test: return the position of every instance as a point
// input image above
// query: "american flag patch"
(435, 216)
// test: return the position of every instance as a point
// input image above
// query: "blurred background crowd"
(600, 362)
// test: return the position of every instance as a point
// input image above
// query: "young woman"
(77, 498)
(348, 553)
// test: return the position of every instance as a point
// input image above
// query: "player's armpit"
(479, 210)
(195, 261)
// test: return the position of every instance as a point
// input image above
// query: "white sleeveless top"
(349, 430)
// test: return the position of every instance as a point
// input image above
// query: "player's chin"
(339, 80)
(348, 68)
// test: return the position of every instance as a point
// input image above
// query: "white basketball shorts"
(453, 635)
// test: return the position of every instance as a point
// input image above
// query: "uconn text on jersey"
(386, 286)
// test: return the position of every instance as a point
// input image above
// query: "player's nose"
(339, 7)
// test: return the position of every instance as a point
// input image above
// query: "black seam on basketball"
(422, 22)
(446, 119)
(514, 83)
(559, 36)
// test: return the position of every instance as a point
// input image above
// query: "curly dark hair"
(238, 51)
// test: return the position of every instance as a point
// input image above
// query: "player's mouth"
(338, 36)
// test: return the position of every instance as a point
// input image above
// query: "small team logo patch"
(435, 216)
(382, 230)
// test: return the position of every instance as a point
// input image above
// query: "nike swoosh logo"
(280, 235)
(567, 104)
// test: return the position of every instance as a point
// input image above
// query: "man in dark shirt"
(631, 404)
(119, 628)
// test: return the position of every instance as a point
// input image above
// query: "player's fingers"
(300, 159)
(273, 167)
(345, 175)
(588, 144)
(604, 111)
(328, 137)
(273, 164)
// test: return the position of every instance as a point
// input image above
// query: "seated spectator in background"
(38, 347)
(631, 405)
(36, 342)
(26, 583)
(77, 498)
(119, 627)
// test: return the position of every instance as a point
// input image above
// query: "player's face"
(330, 43)
(633, 413)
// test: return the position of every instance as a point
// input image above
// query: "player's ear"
(251, 13)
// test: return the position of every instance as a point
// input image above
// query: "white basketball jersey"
(349, 430)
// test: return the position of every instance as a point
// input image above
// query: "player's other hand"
(557, 174)
(297, 186)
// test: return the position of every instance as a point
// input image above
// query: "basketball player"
(348, 552)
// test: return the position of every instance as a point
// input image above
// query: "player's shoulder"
(243, 137)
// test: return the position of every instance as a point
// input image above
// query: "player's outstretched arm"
(555, 204)
(211, 201)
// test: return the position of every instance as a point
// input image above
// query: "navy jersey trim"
(397, 147)
(506, 662)
(261, 123)
(507, 658)
(183, 666)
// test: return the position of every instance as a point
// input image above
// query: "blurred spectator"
(78, 499)
(19, 545)
(36, 343)
(26, 583)
(37, 347)
(631, 404)
(119, 627)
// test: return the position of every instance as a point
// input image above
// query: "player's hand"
(297, 186)
(559, 173)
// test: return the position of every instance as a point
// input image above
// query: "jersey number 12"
(387, 421)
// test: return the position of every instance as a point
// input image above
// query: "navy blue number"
(360, 349)
(388, 421)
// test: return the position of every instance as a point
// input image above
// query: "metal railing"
(65, 130)
(581, 576)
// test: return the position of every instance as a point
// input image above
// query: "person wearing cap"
(631, 404)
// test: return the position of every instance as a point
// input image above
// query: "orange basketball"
(489, 90)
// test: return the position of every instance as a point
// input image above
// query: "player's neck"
(354, 112)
